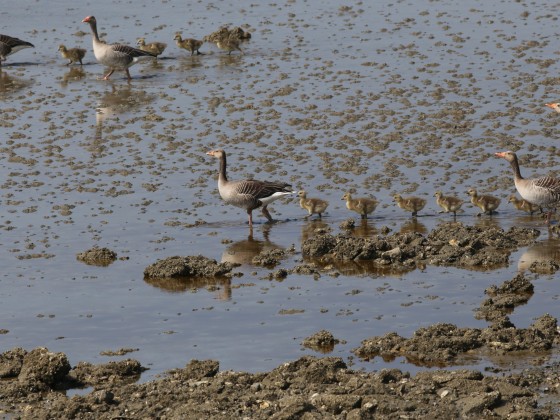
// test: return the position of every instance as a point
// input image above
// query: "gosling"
(362, 206)
(156, 48)
(487, 203)
(189, 44)
(229, 44)
(73, 55)
(411, 204)
(312, 205)
(448, 204)
(523, 205)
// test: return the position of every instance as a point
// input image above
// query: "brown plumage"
(248, 194)
(189, 44)
(10, 45)
(363, 206)
(487, 203)
(448, 204)
(312, 205)
(73, 55)
(411, 204)
(543, 191)
(523, 205)
(156, 48)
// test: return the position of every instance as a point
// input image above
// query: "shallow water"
(394, 98)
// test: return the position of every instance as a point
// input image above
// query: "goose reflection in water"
(545, 256)
(413, 226)
(221, 286)
(243, 251)
(74, 74)
(116, 102)
(10, 85)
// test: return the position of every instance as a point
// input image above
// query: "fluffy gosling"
(156, 48)
(312, 205)
(487, 203)
(189, 44)
(363, 206)
(411, 204)
(448, 204)
(523, 205)
(73, 55)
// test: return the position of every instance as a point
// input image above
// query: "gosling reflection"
(74, 74)
(220, 286)
(10, 85)
(413, 226)
(243, 252)
(312, 228)
(541, 258)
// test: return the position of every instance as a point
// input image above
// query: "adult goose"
(114, 56)
(248, 194)
(363, 206)
(10, 45)
(543, 191)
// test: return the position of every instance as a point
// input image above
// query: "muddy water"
(392, 98)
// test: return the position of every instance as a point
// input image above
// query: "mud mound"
(97, 256)
(505, 298)
(322, 341)
(191, 266)
(450, 244)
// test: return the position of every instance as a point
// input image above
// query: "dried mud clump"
(190, 266)
(450, 244)
(272, 257)
(309, 387)
(42, 367)
(503, 299)
(322, 341)
(97, 256)
(443, 344)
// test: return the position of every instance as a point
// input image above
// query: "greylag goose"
(73, 55)
(312, 205)
(114, 56)
(411, 204)
(554, 105)
(156, 48)
(523, 205)
(362, 206)
(448, 204)
(487, 203)
(543, 191)
(10, 45)
(248, 194)
(189, 44)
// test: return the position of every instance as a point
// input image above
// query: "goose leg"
(128, 74)
(250, 213)
(106, 77)
(267, 214)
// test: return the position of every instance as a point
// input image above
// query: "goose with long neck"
(114, 56)
(543, 191)
(10, 45)
(248, 194)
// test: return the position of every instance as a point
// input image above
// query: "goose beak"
(500, 154)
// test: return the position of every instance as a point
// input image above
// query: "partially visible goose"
(554, 105)
(114, 56)
(10, 45)
(73, 55)
(312, 205)
(487, 203)
(543, 191)
(411, 204)
(523, 205)
(448, 204)
(248, 194)
(363, 206)
(156, 48)
(189, 44)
